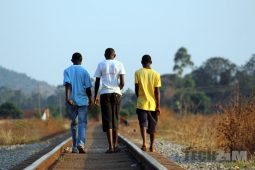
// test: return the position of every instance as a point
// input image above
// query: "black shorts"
(110, 107)
(147, 119)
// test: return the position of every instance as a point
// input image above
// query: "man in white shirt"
(112, 74)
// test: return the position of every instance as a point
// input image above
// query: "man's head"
(109, 53)
(146, 60)
(76, 58)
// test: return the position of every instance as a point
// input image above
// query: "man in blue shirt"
(77, 83)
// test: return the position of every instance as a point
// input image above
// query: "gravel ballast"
(175, 152)
(12, 156)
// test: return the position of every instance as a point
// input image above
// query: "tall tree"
(217, 78)
(182, 60)
(249, 67)
(215, 71)
(246, 78)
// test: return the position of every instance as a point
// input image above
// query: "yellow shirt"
(147, 80)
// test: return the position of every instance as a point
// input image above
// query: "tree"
(18, 98)
(9, 110)
(187, 99)
(217, 78)
(182, 60)
(249, 67)
(246, 77)
(181, 99)
(57, 103)
(128, 102)
(215, 71)
(170, 82)
(180, 94)
(188, 82)
(191, 101)
(5, 94)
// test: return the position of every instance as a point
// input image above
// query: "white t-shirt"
(109, 71)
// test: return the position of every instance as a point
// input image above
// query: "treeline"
(204, 89)
(15, 104)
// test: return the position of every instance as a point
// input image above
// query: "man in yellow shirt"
(147, 84)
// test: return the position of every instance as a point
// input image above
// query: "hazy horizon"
(38, 38)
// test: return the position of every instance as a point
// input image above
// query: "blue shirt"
(79, 79)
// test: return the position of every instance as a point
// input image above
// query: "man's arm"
(68, 94)
(89, 94)
(136, 89)
(157, 97)
(97, 84)
(122, 81)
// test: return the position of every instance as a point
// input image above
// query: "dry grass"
(197, 132)
(194, 131)
(29, 130)
(236, 129)
(231, 129)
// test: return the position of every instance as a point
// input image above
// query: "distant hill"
(20, 81)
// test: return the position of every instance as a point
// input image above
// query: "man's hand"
(70, 102)
(158, 111)
(68, 94)
(89, 94)
(96, 101)
(96, 98)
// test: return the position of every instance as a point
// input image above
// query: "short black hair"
(108, 52)
(77, 57)
(146, 59)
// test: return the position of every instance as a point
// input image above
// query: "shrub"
(236, 129)
(9, 110)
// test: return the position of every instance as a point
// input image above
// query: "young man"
(112, 73)
(147, 83)
(78, 96)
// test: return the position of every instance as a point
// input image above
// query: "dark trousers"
(110, 107)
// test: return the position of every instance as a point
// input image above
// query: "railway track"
(130, 157)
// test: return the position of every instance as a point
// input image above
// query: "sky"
(38, 38)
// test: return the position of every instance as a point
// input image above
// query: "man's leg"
(115, 141)
(152, 138)
(152, 124)
(106, 110)
(74, 113)
(142, 117)
(116, 99)
(143, 134)
(82, 125)
(115, 138)
(110, 141)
